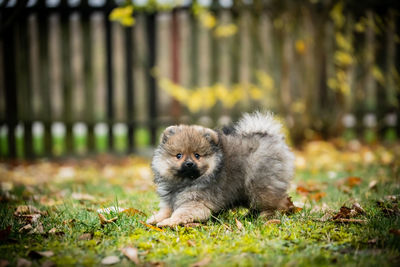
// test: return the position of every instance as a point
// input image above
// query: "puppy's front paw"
(170, 222)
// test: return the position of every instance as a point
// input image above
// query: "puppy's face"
(187, 152)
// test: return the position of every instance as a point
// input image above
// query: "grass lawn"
(64, 227)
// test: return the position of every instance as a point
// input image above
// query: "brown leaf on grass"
(317, 196)
(273, 221)
(85, 236)
(131, 253)
(344, 212)
(104, 220)
(288, 207)
(40, 254)
(28, 210)
(346, 184)
(239, 225)
(21, 262)
(395, 232)
(203, 262)
(353, 181)
(302, 190)
(110, 260)
(30, 218)
(4, 233)
(191, 243)
(151, 226)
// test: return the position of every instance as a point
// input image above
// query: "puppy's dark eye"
(179, 156)
(197, 156)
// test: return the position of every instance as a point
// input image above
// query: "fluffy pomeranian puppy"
(199, 171)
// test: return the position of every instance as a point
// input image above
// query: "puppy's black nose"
(189, 164)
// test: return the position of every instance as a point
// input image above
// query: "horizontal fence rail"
(72, 81)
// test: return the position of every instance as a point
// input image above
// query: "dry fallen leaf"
(104, 220)
(4, 263)
(317, 196)
(151, 226)
(288, 207)
(203, 262)
(353, 181)
(302, 190)
(344, 212)
(27, 210)
(110, 260)
(131, 253)
(273, 221)
(239, 225)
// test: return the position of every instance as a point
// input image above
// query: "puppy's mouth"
(191, 173)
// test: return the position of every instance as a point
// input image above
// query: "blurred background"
(84, 77)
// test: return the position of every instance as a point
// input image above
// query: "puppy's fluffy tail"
(259, 123)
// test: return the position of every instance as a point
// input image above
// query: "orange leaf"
(287, 206)
(353, 181)
(151, 226)
(302, 190)
(317, 196)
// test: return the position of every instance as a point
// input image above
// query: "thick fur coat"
(199, 171)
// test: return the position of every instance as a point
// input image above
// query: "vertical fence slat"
(109, 71)
(129, 86)
(176, 108)
(66, 78)
(88, 75)
(151, 82)
(10, 83)
(25, 86)
(43, 25)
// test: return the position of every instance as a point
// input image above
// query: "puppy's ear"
(212, 136)
(170, 131)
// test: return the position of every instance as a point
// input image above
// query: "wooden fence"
(72, 81)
